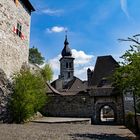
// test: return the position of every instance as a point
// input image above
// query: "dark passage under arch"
(107, 114)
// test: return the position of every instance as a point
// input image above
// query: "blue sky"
(94, 27)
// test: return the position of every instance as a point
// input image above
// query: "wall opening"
(107, 114)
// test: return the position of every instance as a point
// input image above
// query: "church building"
(67, 83)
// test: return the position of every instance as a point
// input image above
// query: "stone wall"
(115, 102)
(69, 106)
(84, 106)
(13, 49)
(5, 93)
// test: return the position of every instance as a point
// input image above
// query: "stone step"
(62, 120)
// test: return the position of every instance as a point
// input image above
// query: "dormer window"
(19, 28)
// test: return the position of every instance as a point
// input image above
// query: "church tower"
(66, 63)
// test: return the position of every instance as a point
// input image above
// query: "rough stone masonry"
(14, 45)
(13, 49)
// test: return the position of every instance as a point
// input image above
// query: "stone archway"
(98, 108)
(107, 114)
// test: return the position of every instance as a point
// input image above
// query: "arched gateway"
(108, 106)
(105, 113)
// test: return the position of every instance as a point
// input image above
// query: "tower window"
(19, 28)
(68, 74)
(67, 65)
(70, 65)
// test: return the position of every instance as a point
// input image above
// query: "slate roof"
(73, 87)
(76, 85)
(51, 90)
(103, 91)
(104, 68)
(66, 50)
(28, 5)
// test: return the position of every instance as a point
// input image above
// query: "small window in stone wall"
(19, 28)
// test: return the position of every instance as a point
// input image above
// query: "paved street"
(63, 131)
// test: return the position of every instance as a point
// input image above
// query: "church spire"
(66, 41)
(66, 63)
(66, 50)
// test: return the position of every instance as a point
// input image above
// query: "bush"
(138, 106)
(47, 73)
(29, 95)
(129, 119)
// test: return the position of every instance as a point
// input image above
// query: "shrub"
(138, 106)
(29, 95)
(129, 119)
(47, 73)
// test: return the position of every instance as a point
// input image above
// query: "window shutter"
(15, 30)
(16, 1)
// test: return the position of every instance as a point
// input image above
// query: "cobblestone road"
(45, 131)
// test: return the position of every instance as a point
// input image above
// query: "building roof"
(28, 5)
(104, 68)
(73, 87)
(103, 91)
(66, 50)
(51, 90)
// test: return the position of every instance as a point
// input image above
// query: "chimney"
(89, 73)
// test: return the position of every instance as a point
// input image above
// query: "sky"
(93, 28)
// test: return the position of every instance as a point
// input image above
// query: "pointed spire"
(66, 40)
(66, 50)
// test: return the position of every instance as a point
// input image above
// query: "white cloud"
(56, 29)
(82, 62)
(124, 7)
(55, 62)
(81, 72)
(81, 57)
(52, 12)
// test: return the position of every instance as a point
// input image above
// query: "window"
(70, 65)
(68, 74)
(19, 28)
(66, 64)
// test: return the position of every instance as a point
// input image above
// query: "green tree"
(47, 73)
(35, 56)
(138, 106)
(127, 76)
(28, 97)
